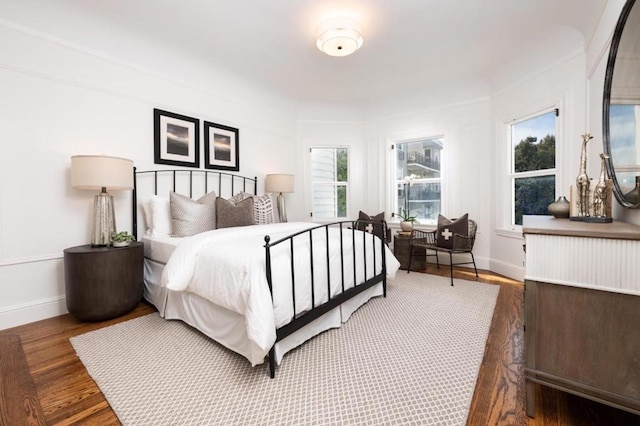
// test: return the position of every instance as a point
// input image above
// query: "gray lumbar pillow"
(230, 214)
(190, 217)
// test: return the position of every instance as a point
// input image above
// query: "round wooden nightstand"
(103, 282)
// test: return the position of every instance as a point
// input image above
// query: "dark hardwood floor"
(67, 395)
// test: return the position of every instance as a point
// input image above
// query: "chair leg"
(437, 259)
(451, 267)
(410, 256)
(474, 263)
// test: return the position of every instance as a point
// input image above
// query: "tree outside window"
(533, 174)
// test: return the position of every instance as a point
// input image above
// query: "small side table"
(402, 251)
(103, 282)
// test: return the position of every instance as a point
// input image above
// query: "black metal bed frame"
(304, 318)
(345, 228)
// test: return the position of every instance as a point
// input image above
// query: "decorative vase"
(120, 243)
(559, 208)
(406, 226)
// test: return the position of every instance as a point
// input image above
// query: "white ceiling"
(410, 45)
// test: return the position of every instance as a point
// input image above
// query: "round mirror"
(621, 108)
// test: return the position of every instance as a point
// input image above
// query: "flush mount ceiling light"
(339, 37)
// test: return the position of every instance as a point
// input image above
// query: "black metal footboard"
(347, 231)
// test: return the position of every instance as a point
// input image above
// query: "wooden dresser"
(582, 310)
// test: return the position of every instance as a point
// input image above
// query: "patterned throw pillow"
(229, 214)
(447, 228)
(190, 217)
(263, 209)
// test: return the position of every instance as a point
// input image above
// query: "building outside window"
(533, 165)
(419, 178)
(330, 182)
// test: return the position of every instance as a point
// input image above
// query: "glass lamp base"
(104, 220)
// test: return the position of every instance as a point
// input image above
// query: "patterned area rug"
(412, 358)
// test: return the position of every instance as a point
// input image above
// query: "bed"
(260, 290)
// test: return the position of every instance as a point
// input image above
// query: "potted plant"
(121, 239)
(407, 221)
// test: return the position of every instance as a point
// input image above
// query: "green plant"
(121, 237)
(404, 215)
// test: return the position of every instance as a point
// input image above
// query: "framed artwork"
(176, 139)
(221, 147)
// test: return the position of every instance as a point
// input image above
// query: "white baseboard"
(13, 316)
(507, 269)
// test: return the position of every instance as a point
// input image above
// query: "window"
(419, 178)
(329, 180)
(623, 119)
(533, 165)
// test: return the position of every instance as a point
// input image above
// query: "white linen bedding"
(227, 268)
(160, 246)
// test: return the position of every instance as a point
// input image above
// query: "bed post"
(272, 351)
(134, 206)
(383, 243)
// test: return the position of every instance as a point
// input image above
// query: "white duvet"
(227, 267)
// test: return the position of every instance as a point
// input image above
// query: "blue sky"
(538, 126)
(622, 121)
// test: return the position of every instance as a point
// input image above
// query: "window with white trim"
(532, 169)
(329, 182)
(419, 178)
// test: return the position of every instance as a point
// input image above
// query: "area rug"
(412, 358)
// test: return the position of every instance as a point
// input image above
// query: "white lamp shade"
(101, 171)
(339, 37)
(279, 183)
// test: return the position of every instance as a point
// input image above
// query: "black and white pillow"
(447, 228)
(263, 209)
(372, 224)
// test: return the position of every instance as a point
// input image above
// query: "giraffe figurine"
(600, 191)
(582, 181)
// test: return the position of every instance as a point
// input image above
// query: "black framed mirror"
(621, 108)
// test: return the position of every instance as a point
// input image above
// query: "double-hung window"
(330, 182)
(419, 178)
(532, 173)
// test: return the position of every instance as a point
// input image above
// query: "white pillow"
(159, 218)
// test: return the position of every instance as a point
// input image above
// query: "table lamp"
(280, 183)
(101, 172)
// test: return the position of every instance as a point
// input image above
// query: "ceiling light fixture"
(339, 37)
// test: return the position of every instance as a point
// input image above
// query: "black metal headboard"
(204, 180)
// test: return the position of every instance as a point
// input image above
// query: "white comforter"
(227, 267)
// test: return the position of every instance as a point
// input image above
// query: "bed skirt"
(228, 328)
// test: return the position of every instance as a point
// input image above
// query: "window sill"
(426, 226)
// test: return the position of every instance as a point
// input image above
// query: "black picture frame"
(176, 139)
(221, 147)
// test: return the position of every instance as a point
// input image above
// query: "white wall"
(59, 100)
